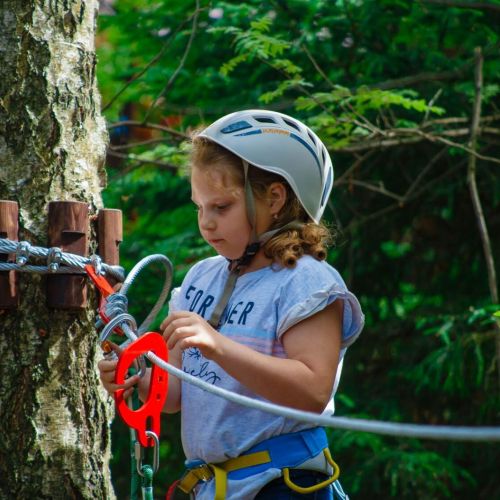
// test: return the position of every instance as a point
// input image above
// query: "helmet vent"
(264, 119)
(323, 155)
(236, 126)
(312, 139)
(291, 124)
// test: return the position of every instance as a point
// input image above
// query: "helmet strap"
(239, 264)
(250, 204)
(226, 295)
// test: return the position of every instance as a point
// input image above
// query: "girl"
(267, 318)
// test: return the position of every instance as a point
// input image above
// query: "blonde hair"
(288, 246)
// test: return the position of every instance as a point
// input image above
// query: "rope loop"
(120, 320)
(116, 304)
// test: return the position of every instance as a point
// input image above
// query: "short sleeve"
(312, 289)
(174, 302)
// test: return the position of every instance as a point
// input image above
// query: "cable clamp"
(96, 263)
(54, 258)
(22, 253)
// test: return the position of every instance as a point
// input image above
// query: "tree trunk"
(54, 438)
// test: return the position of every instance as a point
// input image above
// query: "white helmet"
(281, 144)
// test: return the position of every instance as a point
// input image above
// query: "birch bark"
(54, 438)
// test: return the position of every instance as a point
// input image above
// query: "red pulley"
(147, 417)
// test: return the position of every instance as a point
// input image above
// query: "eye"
(222, 207)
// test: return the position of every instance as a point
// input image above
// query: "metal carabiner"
(139, 453)
(118, 320)
(108, 329)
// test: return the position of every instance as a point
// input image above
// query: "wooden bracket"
(68, 230)
(109, 235)
(9, 212)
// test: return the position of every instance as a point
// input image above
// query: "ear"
(276, 196)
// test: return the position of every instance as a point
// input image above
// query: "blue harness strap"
(287, 450)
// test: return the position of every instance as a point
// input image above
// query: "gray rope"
(39, 269)
(437, 432)
(420, 431)
(132, 275)
(58, 262)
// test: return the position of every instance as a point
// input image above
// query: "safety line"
(58, 262)
(421, 431)
(76, 262)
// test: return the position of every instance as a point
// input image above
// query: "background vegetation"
(392, 87)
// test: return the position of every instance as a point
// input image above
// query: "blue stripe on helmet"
(252, 132)
(310, 149)
(327, 186)
(234, 127)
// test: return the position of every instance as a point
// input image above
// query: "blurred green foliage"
(362, 74)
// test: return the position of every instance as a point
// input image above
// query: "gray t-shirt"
(264, 305)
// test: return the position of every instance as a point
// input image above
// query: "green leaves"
(395, 250)
(382, 83)
(253, 43)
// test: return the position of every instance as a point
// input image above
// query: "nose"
(206, 222)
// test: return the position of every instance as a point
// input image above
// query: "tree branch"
(427, 76)
(144, 161)
(412, 80)
(378, 189)
(130, 145)
(153, 61)
(155, 126)
(181, 63)
(423, 172)
(402, 136)
(317, 66)
(476, 201)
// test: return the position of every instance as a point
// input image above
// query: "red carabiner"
(147, 417)
(99, 281)
(105, 289)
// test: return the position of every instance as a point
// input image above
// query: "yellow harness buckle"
(316, 487)
(193, 476)
(205, 472)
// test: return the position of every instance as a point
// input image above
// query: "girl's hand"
(185, 329)
(107, 370)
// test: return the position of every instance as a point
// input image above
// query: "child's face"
(222, 216)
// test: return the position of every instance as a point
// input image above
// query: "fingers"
(107, 374)
(175, 316)
(182, 337)
(179, 329)
(174, 324)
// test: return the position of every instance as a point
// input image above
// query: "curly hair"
(288, 246)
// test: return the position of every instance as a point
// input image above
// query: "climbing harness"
(284, 452)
